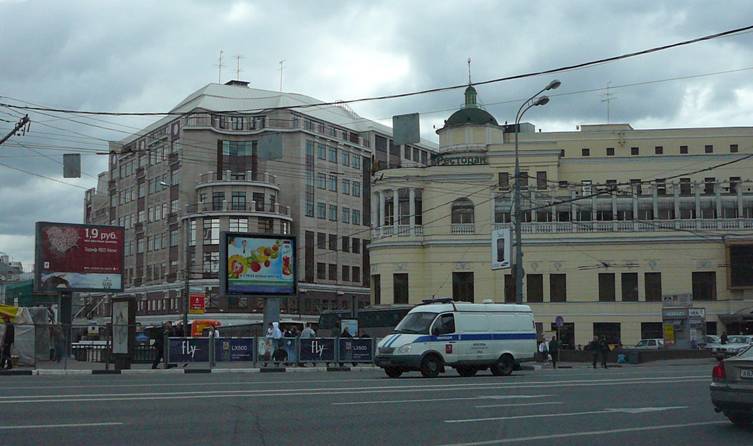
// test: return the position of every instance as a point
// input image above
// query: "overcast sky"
(147, 56)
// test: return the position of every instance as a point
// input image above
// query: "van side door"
(445, 338)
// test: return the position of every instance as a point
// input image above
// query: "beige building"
(622, 227)
(278, 165)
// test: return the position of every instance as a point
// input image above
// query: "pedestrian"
(593, 347)
(308, 332)
(9, 337)
(544, 350)
(554, 350)
(604, 351)
(724, 338)
(278, 352)
(159, 346)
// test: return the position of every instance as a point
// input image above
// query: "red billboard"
(75, 257)
(196, 303)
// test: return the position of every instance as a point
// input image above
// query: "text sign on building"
(258, 265)
(677, 300)
(501, 248)
(197, 303)
(459, 160)
(76, 257)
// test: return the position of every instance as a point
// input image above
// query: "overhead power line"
(426, 91)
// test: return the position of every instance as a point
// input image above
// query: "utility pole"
(608, 98)
(219, 68)
(22, 125)
(281, 68)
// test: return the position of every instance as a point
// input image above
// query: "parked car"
(650, 344)
(710, 342)
(732, 388)
(735, 344)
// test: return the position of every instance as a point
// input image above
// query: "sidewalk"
(663, 363)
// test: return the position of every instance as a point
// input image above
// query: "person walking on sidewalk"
(544, 350)
(9, 337)
(554, 350)
(159, 343)
(593, 347)
(604, 350)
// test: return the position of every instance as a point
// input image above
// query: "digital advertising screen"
(76, 257)
(261, 265)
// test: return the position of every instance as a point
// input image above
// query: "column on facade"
(718, 201)
(676, 199)
(655, 201)
(573, 215)
(614, 206)
(375, 210)
(593, 206)
(635, 206)
(532, 200)
(552, 192)
(396, 208)
(739, 200)
(697, 196)
(412, 207)
(381, 209)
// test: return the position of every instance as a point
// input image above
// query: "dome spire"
(470, 92)
(469, 71)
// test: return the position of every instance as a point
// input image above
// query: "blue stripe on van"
(478, 337)
(393, 339)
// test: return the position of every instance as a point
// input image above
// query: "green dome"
(475, 116)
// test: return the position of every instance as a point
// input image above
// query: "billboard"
(257, 265)
(501, 248)
(76, 257)
(197, 303)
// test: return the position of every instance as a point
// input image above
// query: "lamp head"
(553, 85)
(541, 100)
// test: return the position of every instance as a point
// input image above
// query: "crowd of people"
(599, 348)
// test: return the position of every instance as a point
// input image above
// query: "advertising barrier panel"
(234, 349)
(356, 350)
(188, 350)
(317, 349)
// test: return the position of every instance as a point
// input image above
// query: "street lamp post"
(187, 272)
(531, 102)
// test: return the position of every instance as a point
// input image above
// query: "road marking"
(549, 415)
(635, 410)
(431, 400)
(549, 403)
(55, 426)
(328, 391)
(587, 434)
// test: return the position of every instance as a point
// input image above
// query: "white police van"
(468, 337)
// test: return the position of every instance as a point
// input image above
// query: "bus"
(376, 321)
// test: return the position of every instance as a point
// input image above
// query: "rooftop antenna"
(469, 71)
(608, 98)
(281, 68)
(219, 68)
(238, 66)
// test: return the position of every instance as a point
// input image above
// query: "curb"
(16, 372)
(182, 371)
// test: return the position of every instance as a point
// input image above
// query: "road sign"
(559, 321)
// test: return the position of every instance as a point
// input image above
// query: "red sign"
(196, 303)
(79, 257)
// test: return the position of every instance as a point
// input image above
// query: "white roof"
(465, 306)
(220, 97)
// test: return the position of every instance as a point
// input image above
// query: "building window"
(356, 189)
(585, 152)
(708, 185)
(140, 246)
(685, 187)
(355, 274)
(661, 186)
(356, 245)
(652, 286)
(356, 161)
(659, 150)
(462, 211)
(541, 182)
(652, 330)
(355, 217)
(321, 151)
(345, 243)
(218, 198)
(321, 181)
(332, 212)
(238, 201)
(683, 150)
(733, 182)
(345, 215)
(377, 287)
(238, 224)
(503, 180)
(346, 187)
(610, 151)
(535, 287)
(321, 211)
(346, 273)
(211, 262)
(630, 287)
(332, 151)
(332, 184)
(332, 242)
(321, 271)
(558, 287)
(462, 287)
(400, 288)
(609, 330)
(345, 158)
(211, 231)
(704, 285)
(606, 287)
(733, 148)
(635, 151)
(321, 240)
(635, 184)
(332, 272)
(708, 148)
(266, 225)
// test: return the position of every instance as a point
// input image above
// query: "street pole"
(186, 287)
(517, 267)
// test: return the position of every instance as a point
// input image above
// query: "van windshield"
(416, 323)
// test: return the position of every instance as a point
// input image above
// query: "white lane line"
(432, 400)
(56, 426)
(307, 392)
(587, 434)
(549, 403)
(426, 387)
(562, 414)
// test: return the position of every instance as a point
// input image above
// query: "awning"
(9, 310)
(742, 315)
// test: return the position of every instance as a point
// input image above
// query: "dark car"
(732, 388)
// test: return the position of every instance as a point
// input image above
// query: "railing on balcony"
(243, 207)
(256, 177)
(463, 228)
(630, 226)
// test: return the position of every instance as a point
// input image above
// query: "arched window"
(462, 211)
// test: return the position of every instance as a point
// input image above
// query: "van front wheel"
(504, 366)
(393, 372)
(430, 367)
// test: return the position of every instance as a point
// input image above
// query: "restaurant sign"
(459, 160)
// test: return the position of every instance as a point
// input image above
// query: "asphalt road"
(659, 405)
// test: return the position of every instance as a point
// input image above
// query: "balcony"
(463, 228)
(249, 207)
(260, 178)
(402, 231)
